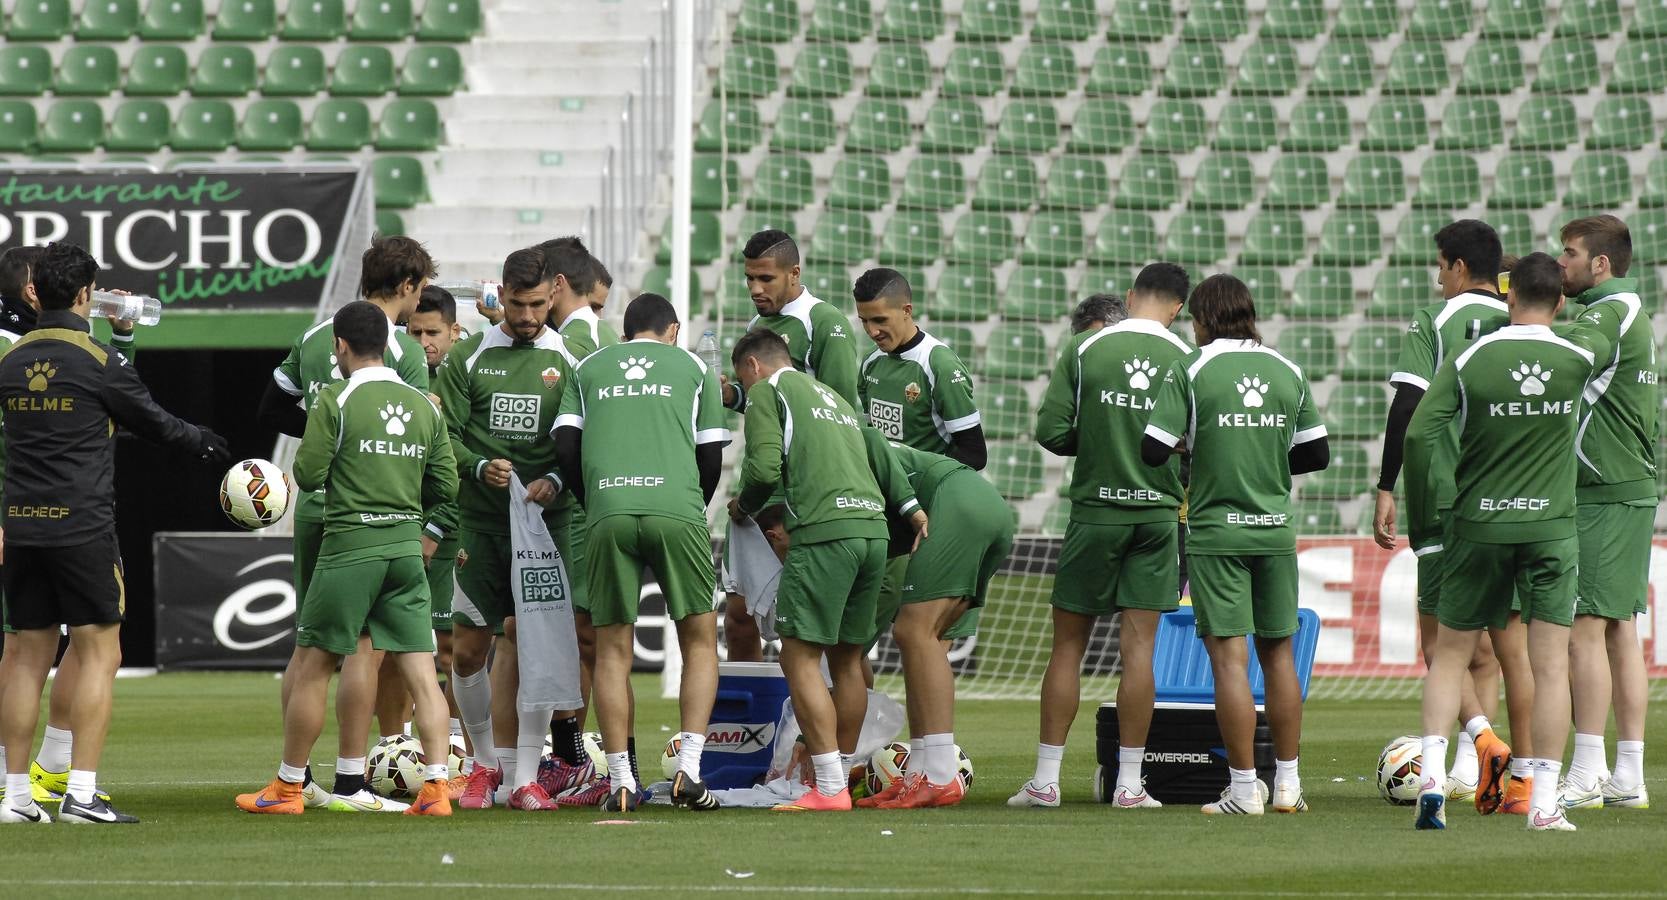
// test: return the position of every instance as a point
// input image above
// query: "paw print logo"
(827, 397)
(1140, 372)
(39, 374)
(394, 417)
(1530, 379)
(1251, 390)
(335, 368)
(636, 367)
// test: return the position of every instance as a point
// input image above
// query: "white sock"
(1629, 764)
(345, 766)
(291, 774)
(436, 772)
(1242, 783)
(1048, 758)
(529, 748)
(940, 757)
(474, 702)
(619, 772)
(1128, 768)
(82, 785)
(1586, 768)
(455, 726)
(688, 753)
(55, 750)
(17, 790)
(829, 780)
(1476, 726)
(1285, 774)
(1520, 768)
(917, 756)
(1434, 764)
(1543, 798)
(506, 765)
(848, 761)
(1466, 767)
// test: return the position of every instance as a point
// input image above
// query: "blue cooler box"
(741, 740)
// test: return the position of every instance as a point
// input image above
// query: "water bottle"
(484, 291)
(136, 308)
(707, 350)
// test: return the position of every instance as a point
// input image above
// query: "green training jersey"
(818, 339)
(922, 471)
(585, 332)
(918, 395)
(643, 407)
(379, 449)
(1239, 407)
(1616, 442)
(311, 367)
(805, 439)
(1096, 407)
(500, 398)
(1515, 396)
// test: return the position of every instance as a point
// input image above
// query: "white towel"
(546, 643)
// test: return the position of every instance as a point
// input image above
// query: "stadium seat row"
(243, 20)
(143, 126)
(229, 70)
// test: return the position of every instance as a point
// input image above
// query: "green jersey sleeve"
(288, 373)
(439, 474)
(1056, 418)
(1172, 409)
(831, 353)
(952, 391)
(711, 427)
(761, 463)
(889, 474)
(1416, 365)
(453, 391)
(1428, 426)
(412, 366)
(1309, 426)
(318, 443)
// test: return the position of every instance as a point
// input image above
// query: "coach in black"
(64, 394)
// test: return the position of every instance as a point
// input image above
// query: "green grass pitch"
(182, 745)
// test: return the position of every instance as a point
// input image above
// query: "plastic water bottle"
(707, 350)
(136, 308)
(484, 291)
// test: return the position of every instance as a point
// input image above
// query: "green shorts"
(890, 599)
(309, 537)
(484, 599)
(442, 582)
(973, 537)
(1615, 542)
(1477, 589)
(1239, 595)
(1104, 568)
(829, 589)
(573, 554)
(387, 597)
(679, 553)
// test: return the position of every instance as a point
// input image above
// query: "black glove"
(213, 449)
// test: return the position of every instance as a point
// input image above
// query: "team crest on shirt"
(552, 377)
(912, 392)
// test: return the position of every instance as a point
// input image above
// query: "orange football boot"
(278, 798)
(922, 794)
(891, 792)
(1516, 797)
(433, 800)
(816, 801)
(1493, 759)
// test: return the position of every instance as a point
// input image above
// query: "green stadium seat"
(982, 238)
(899, 70)
(1649, 237)
(339, 125)
(1112, 280)
(272, 125)
(172, 20)
(1396, 126)
(1123, 238)
(1568, 65)
(1299, 20)
(107, 20)
(1471, 123)
(392, 224)
(878, 126)
(1370, 19)
(72, 126)
(1216, 20)
(1223, 181)
(1195, 69)
(1006, 182)
(1321, 292)
(1077, 182)
(157, 70)
(139, 126)
(1195, 237)
(1649, 19)
(1057, 518)
(1267, 68)
(728, 124)
(1267, 289)
(1516, 232)
(1246, 125)
(1373, 181)
(1044, 70)
(87, 70)
(933, 182)
(912, 20)
(449, 20)
(204, 125)
(1318, 125)
(1516, 19)
(733, 302)
(1174, 126)
(1064, 20)
(1120, 69)
(245, 20)
(362, 71)
(1015, 350)
(1347, 475)
(748, 70)
(1448, 181)
(1055, 238)
(294, 70)
(431, 71)
(783, 182)
(716, 181)
(958, 337)
(18, 124)
(1356, 411)
(1036, 294)
(1349, 238)
(1015, 468)
(1027, 126)
(1399, 291)
(1415, 237)
(39, 20)
(842, 21)
(952, 126)
(1149, 181)
(1522, 181)
(1491, 67)
(1621, 123)
(1442, 20)
(821, 70)
(24, 71)
(842, 237)
(409, 124)
(1274, 238)
(1418, 68)
(1315, 518)
(228, 70)
(988, 20)
(1640, 67)
(964, 294)
(1601, 180)
(1142, 20)
(1344, 68)
(972, 72)
(1102, 125)
(657, 280)
(314, 20)
(1005, 409)
(1298, 181)
(705, 233)
(1312, 347)
(381, 20)
(804, 125)
(399, 183)
(770, 21)
(1655, 183)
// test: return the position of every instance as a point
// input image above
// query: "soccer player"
(64, 395)
(805, 440)
(380, 449)
(1247, 415)
(1468, 260)
(1615, 512)
(1120, 552)
(499, 391)
(1097, 311)
(640, 437)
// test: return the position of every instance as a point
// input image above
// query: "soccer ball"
(254, 493)
(396, 766)
(1400, 770)
(593, 749)
(668, 760)
(963, 768)
(457, 755)
(887, 765)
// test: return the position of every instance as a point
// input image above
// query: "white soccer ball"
(887, 765)
(395, 766)
(668, 759)
(593, 749)
(963, 768)
(458, 753)
(254, 493)
(1400, 770)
